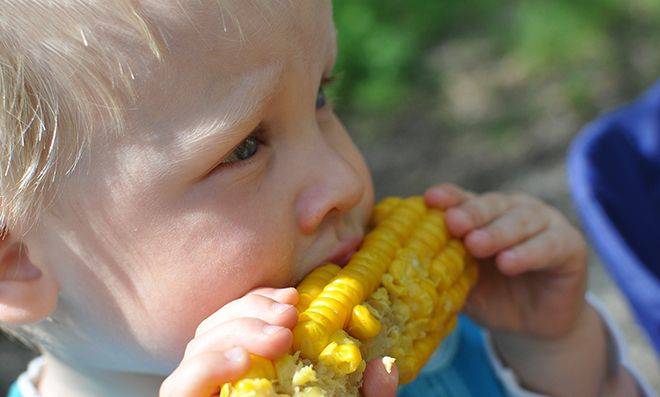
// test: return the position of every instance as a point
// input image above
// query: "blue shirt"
(460, 367)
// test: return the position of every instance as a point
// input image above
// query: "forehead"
(242, 27)
(219, 57)
(216, 48)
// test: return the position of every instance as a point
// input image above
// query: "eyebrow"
(240, 104)
(238, 107)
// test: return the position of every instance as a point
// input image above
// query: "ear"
(27, 293)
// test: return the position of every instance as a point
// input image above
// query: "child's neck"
(60, 379)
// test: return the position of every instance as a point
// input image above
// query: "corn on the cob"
(408, 279)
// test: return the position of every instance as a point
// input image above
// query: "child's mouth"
(345, 250)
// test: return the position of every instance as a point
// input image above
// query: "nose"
(334, 186)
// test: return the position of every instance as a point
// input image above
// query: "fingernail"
(271, 329)
(280, 307)
(235, 354)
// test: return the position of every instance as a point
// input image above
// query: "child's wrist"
(546, 363)
(517, 343)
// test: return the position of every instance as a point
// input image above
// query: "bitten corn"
(398, 296)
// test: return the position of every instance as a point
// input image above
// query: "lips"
(344, 251)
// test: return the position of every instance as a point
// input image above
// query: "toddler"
(170, 169)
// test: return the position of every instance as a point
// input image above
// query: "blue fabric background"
(614, 175)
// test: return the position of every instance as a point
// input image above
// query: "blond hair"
(65, 71)
(58, 82)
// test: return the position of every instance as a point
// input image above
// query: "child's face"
(152, 236)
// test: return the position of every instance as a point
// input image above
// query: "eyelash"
(257, 134)
(327, 81)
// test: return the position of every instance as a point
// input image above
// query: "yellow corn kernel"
(310, 337)
(447, 267)
(342, 354)
(382, 240)
(406, 367)
(384, 208)
(421, 297)
(305, 375)
(407, 274)
(362, 324)
(423, 349)
(249, 387)
(260, 368)
(254, 387)
(326, 312)
(313, 284)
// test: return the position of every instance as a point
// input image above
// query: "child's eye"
(320, 98)
(321, 101)
(243, 151)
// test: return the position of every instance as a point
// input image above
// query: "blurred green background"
(487, 94)
(387, 47)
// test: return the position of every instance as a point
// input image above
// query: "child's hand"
(535, 276)
(259, 323)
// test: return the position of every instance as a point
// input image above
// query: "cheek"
(353, 155)
(215, 259)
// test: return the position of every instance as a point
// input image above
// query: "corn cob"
(398, 296)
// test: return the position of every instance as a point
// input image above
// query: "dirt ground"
(491, 126)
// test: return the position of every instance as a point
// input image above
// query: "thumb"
(377, 381)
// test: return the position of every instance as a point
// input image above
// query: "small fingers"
(204, 374)
(252, 305)
(476, 212)
(446, 195)
(258, 336)
(553, 246)
(511, 228)
(282, 295)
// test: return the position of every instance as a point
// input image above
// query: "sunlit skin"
(169, 256)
